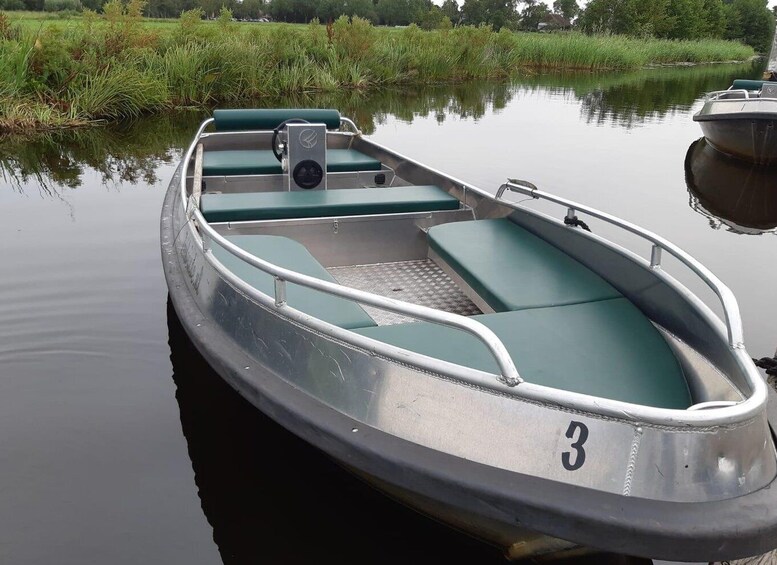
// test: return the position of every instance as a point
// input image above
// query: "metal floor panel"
(420, 282)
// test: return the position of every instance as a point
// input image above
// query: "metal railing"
(713, 415)
(724, 294)
(509, 374)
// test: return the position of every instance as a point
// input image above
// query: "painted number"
(577, 445)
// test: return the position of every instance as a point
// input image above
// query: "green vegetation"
(132, 151)
(747, 20)
(121, 66)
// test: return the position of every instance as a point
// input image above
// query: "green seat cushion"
(263, 162)
(606, 348)
(747, 84)
(235, 207)
(290, 254)
(270, 118)
(512, 269)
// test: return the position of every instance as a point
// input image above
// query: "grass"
(56, 72)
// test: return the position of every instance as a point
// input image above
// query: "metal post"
(655, 257)
(571, 213)
(280, 292)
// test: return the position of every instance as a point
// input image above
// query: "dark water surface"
(119, 445)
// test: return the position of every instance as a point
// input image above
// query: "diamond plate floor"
(420, 282)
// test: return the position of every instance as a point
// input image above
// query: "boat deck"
(419, 282)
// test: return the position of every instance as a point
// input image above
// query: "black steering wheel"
(277, 130)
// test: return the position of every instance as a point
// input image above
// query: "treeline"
(749, 21)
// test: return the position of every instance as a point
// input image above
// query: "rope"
(577, 222)
(769, 364)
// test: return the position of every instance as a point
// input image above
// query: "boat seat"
(747, 84)
(239, 162)
(246, 119)
(235, 207)
(512, 269)
(605, 348)
(291, 254)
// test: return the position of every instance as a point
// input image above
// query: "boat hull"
(743, 128)
(750, 140)
(308, 388)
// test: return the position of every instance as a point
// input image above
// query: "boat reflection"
(272, 498)
(734, 195)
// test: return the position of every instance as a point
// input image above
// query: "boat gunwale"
(743, 411)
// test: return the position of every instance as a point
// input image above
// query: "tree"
(567, 8)
(750, 21)
(714, 19)
(687, 17)
(450, 8)
(640, 18)
(292, 10)
(400, 12)
(533, 14)
(496, 13)
(435, 18)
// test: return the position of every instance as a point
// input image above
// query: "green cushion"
(290, 254)
(266, 119)
(747, 84)
(263, 162)
(606, 348)
(235, 207)
(512, 269)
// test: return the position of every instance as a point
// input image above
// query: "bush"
(62, 5)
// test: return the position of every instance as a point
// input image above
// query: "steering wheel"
(277, 130)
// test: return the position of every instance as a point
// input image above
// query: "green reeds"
(102, 69)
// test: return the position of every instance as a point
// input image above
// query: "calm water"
(119, 445)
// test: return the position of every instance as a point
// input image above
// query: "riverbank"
(80, 70)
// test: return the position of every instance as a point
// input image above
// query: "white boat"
(741, 121)
(506, 372)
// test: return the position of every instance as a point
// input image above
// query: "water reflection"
(131, 152)
(271, 497)
(633, 98)
(126, 153)
(730, 193)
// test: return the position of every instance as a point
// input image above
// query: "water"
(117, 442)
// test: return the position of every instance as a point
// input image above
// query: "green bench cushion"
(270, 118)
(263, 162)
(606, 348)
(512, 269)
(235, 207)
(747, 84)
(290, 254)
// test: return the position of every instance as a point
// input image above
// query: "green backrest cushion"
(606, 348)
(235, 207)
(290, 254)
(747, 84)
(263, 162)
(267, 119)
(513, 269)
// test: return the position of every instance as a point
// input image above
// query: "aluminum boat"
(502, 370)
(741, 121)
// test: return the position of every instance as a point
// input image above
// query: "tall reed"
(118, 66)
